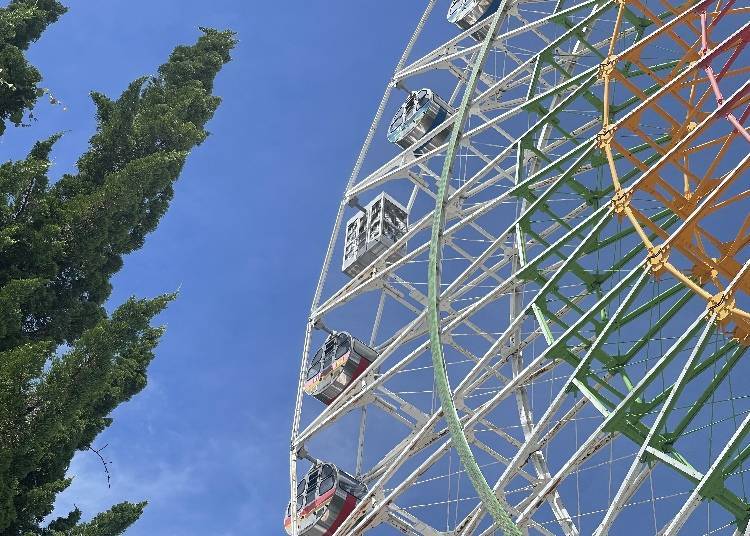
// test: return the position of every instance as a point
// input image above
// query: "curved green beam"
(460, 443)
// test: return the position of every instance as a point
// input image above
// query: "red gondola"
(325, 498)
(341, 360)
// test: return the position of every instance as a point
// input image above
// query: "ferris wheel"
(533, 314)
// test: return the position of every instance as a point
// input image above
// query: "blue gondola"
(422, 112)
(466, 13)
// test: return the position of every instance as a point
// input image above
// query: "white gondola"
(326, 496)
(371, 232)
(466, 13)
(420, 114)
(340, 361)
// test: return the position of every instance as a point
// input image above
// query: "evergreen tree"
(64, 363)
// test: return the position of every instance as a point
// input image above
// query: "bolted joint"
(621, 200)
(301, 453)
(318, 324)
(606, 67)
(712, 487)
(721, 306)
(354, 203)
(605, 136)
(657, 258)
(399, 84)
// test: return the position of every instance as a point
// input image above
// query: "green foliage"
(21, 23)
(64, 364)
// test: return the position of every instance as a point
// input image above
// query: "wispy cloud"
(157, 483)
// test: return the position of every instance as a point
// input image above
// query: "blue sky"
(207, 442)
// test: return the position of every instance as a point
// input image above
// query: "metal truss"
(596, 393)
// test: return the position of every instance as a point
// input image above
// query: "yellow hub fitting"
(721, 305)
(621, 201)
(605, 136)
(658, 256)
(606, 67)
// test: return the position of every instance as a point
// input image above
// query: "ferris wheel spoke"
(370, 507)
(408, 523)
(715, 472)
(531, 443)
(636, 476)
(417, 441)
(425, 438)
(734, 354)
(371, 518)
(413, 444)
(598, 219)
(609, 423)
(637, 472)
